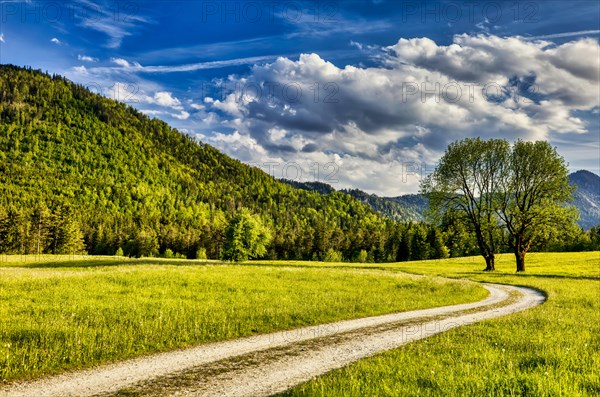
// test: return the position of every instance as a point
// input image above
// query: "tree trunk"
(520, 255)
(520, 261)
(489, 263)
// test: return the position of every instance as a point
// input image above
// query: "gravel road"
(266, 364)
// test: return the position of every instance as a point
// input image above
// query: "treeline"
(60, 230)
(39, 231)
(584, 241)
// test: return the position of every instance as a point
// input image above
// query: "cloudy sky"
(363, 94)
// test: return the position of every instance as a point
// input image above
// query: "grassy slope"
(63, 315)
(551, 350)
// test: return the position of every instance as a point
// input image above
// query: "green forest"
(83, 173)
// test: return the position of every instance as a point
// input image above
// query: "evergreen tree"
(419, 247)
(437, 249)
(404, 250)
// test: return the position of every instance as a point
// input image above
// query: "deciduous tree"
(467, 183)
(534, 204)
(245, 237)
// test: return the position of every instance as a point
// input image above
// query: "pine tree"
(404, 250)
(419, 246)
(437, 248)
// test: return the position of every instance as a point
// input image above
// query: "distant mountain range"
(411, 207)
(587, 197)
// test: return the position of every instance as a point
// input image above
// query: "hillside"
(587, 197)
(409, 207)
(318, 187)
(77, 167)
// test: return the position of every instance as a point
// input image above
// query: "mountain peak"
(587, 197)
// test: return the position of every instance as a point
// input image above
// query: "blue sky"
(363, 94)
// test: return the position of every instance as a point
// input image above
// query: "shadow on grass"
(116, 262)
(317, 266)
(540, 275)
(451, 274)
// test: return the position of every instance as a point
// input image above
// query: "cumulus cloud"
(165, 98)
(2, 38)
(183, 115)
(564, 72)
(56, 41)
(381, 125)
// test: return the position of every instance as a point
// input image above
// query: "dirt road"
(271, 363)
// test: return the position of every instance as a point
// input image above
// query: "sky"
(358, 94)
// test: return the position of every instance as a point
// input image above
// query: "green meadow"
(549, 350)
(61, 313)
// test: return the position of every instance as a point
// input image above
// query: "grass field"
(550, 350)
(60, 313)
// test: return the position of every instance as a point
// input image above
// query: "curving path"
(266, 364)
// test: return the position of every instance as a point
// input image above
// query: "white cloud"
(164, 98)
(123, 63)
(86, 58)
(356, 44)
(135, 67)
(183, 115)
(483, 25)
(152, 112)
(82, 70)
(56, 41)
(2, 38)
(244, 146)
(120, 62)
(379, 132)
(211, 119)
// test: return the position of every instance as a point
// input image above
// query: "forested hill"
(406, 208)
(76, 168)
